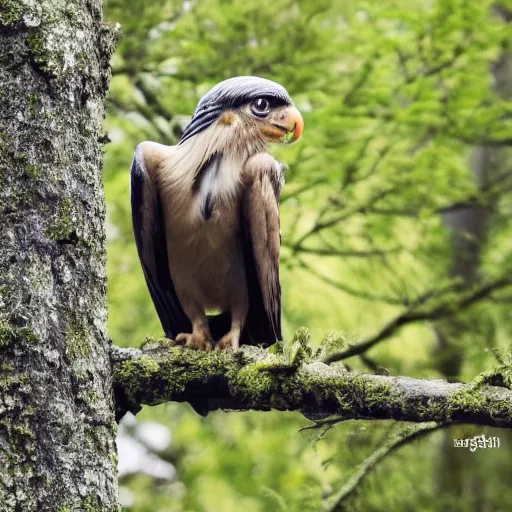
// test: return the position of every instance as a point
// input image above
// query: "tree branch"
(386, 299)
(255, 379)
(322, 251)
(445, 307)
(396, 439)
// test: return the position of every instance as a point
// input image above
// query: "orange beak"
(285, 126)
(294, 124)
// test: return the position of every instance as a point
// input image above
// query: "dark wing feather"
(261, 254)
(149, 231)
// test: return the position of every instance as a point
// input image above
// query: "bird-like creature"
(206, 217)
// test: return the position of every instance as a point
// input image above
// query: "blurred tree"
(396, 96)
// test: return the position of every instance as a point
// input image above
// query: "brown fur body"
(208, 186)
(205, 256)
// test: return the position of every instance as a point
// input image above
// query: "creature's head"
(250, 107)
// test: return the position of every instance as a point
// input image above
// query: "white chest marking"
(218, 183)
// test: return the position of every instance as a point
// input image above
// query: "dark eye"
(260, 107)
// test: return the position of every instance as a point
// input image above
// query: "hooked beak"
(286, 126)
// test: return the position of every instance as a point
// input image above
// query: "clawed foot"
(230, 340)
(196, 341)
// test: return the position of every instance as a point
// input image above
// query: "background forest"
(395, 233)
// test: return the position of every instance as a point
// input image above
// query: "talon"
(181, 339)
(195, 341)
(230, 340)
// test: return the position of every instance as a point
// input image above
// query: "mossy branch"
(257, 379)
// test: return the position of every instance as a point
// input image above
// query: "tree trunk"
(469, 227)
(57, 428)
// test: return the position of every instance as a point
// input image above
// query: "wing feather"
(149, 231)
(261, 250)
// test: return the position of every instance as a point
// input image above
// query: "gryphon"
(206, 217)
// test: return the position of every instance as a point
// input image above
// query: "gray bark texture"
(57, 428)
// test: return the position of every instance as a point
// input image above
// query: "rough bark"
(254, 379)
(57, 428)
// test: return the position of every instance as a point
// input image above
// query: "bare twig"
(445, 307)
(396, 439)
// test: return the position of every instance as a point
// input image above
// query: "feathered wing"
(149, 231)
(262, 240)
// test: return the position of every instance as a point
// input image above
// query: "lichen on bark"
(261, 380)
(57, 430)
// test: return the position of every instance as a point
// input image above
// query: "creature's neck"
(210, 164)
(233, 141)
(217, 182)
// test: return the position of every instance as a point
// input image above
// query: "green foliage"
(407, 113)
(299, 351)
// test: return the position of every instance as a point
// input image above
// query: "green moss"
(28, 411)
(475, 400)
(174, 372)
(6, 366)
(303, 336)
(53, 59)
(465, 399)
(20, 435)
(18, 163)
(11, 12)
(277, 348)
(63, 225)
(71, 13)
(267, 380)
(501, 375)
(91, 504)
(10, 335)
(77, 344)
(155, 344)
(372, 394)
(33, 102)
(252, 380)
(114, 458)
(94, 439)
(47, 60)
(146, 367)
(31, 170)
(92, 397)
(7, 382)
(23, 431)
(36, 43)
(21, 161)
(299, 351)
(130, 371)
(82, 62)
(334, 342)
